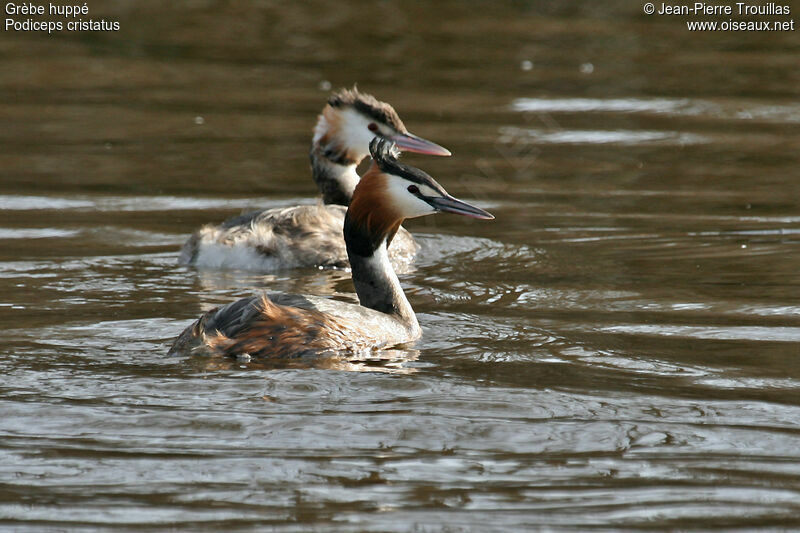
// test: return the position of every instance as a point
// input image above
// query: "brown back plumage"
(272, 330)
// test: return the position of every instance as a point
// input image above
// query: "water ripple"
(510, 134)
(139, 203)
(744, 110)
(748, 333)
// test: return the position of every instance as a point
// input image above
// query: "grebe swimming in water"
(311, 235)
(285, 325)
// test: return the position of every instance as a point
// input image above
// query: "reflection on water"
(616, 350)
(586, 105)
(728, 110)
(386, 361)
(600, 136)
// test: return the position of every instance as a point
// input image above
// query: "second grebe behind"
(311, 235)
(284, 326)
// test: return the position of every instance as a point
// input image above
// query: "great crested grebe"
(311, 235)
(284, 325)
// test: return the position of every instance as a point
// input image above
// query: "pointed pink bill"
(408, 142)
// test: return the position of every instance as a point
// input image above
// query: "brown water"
(620, 349)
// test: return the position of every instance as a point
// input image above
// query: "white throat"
(347, 177)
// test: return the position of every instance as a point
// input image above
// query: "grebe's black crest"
(385, 153)
(368, 105)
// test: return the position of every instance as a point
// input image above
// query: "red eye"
(372, 126)
(413, 189)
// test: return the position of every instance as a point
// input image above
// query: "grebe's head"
(351, 119)
(391, 192)
(410, 191)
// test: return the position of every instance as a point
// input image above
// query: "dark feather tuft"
(384, 153)
(368, 105)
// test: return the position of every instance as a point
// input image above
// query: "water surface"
(617, 350)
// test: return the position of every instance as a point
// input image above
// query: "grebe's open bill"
(449, 204)
(409, 142)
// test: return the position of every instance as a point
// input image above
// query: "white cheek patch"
(405, 202)
(354, 131)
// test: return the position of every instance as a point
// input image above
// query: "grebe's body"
(311, 235)
(281, 326)
(288, 237)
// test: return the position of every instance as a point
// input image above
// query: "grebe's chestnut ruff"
(283, 325)
(311, 235)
